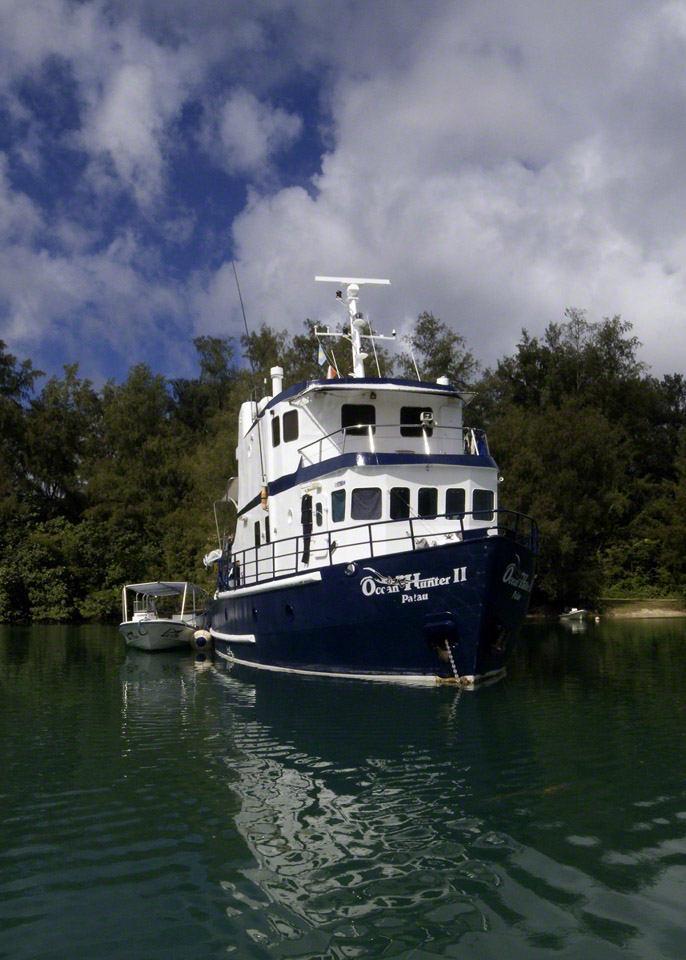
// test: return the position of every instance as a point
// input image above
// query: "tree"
(16, 387)
(438, 352)
(568, 418)
(563, 466)
(197, 401)
(62, 424)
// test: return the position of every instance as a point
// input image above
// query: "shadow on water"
(158, 806)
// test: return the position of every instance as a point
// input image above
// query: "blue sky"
(498, 162)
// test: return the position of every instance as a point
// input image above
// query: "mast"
(357, 320)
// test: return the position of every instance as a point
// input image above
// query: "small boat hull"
(449, 613)
(575, 615)
(157, 634)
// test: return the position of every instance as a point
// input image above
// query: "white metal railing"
(435, 439)
(296, 554)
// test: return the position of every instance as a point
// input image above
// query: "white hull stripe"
(300, 581)
(466, 682)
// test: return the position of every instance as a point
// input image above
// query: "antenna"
(245, 321)
(357, 320)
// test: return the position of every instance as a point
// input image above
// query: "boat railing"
(293, 555)
(385, 437)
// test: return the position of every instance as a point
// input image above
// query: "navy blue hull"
(447, 612)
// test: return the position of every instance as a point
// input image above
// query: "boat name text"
(517, 578)
(375, 584)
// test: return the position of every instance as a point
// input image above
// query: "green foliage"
(586, 441)
(563, 467)
(62, 426)
(438, 352)
(16, 387)
(103, 487)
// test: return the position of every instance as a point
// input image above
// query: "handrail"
(474, 439)
(247, 566)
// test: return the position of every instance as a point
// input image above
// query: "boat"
(575, 614)
(147, 629)
(369, 542)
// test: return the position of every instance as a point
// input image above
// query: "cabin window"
(400, 503)
(454, 502)
(365, 503)
(290, 426)
(276, 432)
(482, 504)
(411, 420)
(318, 513)
(338, 506)
(267, 535)
(258, 539)
(427, 502)
(355, 416)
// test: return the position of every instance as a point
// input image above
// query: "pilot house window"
(411, 420)
(400, 503)
(454, 502)
(290, 426)
(366, 503)
(427, 502)
(482, 503)
(276, 432)
(356, 416)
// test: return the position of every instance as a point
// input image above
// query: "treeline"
(103, 487)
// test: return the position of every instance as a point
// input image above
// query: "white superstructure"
(337, 469)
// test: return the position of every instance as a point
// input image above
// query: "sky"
(499, 162)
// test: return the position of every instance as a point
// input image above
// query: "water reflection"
(153, 807)
(386, 820)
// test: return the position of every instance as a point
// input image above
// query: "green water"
(152, 807)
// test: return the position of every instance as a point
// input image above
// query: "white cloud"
(88, 300)
(507, 171)
(130, 87)
(497, 161)
(20, 218)
(127, 127)
(250, 132)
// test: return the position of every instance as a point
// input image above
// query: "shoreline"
(628, 609)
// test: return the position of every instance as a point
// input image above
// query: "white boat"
(369, 541)
(576, 613)
(147, 629)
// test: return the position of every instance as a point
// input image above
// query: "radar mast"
(357, 320)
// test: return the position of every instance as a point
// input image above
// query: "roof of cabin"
(164, 588)
(362, 383)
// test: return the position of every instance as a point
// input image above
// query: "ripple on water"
(159, 816)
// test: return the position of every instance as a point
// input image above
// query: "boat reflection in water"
(159, 689)
(352, 822)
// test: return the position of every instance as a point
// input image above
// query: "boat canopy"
(165, 588)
